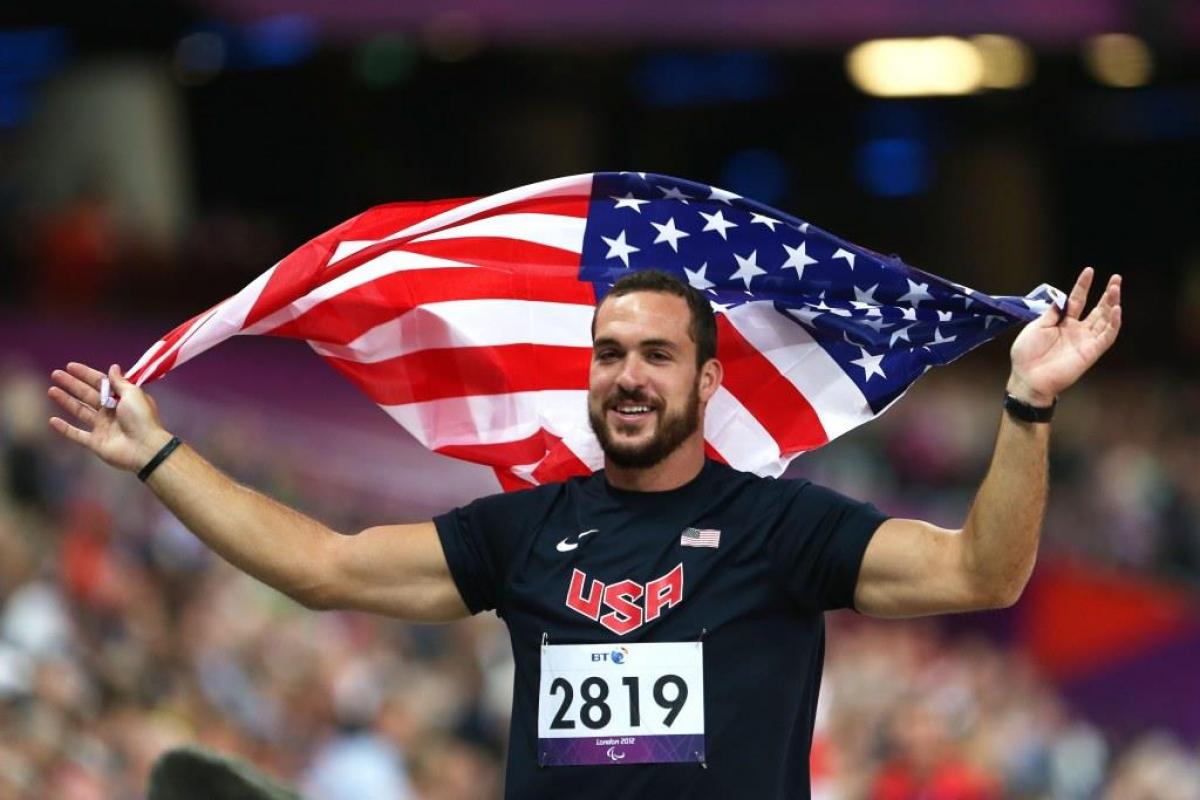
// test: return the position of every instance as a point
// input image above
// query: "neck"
(677, 469)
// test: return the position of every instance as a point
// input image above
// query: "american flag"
(468, 321)
(700, 537)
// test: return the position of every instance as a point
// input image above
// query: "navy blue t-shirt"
(786, 551)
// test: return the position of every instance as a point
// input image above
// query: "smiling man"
(666, 612)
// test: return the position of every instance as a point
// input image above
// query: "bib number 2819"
(628, 704)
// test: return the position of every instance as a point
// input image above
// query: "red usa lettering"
(630, 602)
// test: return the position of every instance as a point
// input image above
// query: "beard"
(672, 430)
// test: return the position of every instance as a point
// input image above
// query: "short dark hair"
(702, 327)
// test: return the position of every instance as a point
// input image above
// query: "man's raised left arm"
(913, 568)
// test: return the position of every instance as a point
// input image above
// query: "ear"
(710, 378)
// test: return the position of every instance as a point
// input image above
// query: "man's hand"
(126, 437)
(1053, 351)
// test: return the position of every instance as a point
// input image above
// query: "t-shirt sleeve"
(479, 540)
(816, 542)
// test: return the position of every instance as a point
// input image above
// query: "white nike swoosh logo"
(565, 547)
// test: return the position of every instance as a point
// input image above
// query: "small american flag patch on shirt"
(700, 537)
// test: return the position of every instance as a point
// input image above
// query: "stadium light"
(941, 65)
(1118, 59)
(1007, 62)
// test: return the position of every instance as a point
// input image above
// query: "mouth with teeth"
(626, 411)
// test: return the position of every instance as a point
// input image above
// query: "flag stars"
(618, 248)
(872, 365)
(761, 219)
(628, 201)
(717, 222)
(697, 279)
(748, 268)
(674, 193)
(865, 298)
(723, 196)
(900, 334)
(669, 233)
(939, 339)
(917, 292)
(798, 259)
(846, 254)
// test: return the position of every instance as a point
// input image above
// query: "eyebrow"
(607, 341)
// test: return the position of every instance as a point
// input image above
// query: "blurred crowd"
(122, 636)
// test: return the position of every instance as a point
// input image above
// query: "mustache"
(623, 396)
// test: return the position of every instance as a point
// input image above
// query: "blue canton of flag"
(884, 322)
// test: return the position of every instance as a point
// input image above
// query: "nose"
(633, 375)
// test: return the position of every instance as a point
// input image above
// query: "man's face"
(644, 395)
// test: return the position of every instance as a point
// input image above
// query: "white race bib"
(621, 704)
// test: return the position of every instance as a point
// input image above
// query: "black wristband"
(1021, 410)
(159, 457)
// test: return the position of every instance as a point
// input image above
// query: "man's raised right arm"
(398, 570)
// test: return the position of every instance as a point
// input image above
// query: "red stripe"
(523, 451)
(461, 371)
(304, 268)
(345, 317)
(557, 461)
(773, 400)
(510, 482)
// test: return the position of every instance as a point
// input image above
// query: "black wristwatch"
(1024, 412)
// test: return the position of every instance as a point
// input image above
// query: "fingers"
(71, 432)
(1079, 293)
(86, 374)
(85, 413)
(78, 387)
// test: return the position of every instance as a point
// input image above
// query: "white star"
(675, 194)
(642, 175)
(797, 259)
(945, 316)
(937, 337)
(697, 278)
(747, 268)
(846, 254)
(617, 248)
(717, 222)
(966, 290)
(802, 227)
(877, 324)
(1036, 305)
(723, 196)
(865, 298)
(628, 201)
(916, 293)
(764, 220)
(720, 308)
(669, 233)
(870, 364)
(908, 313)
(840, 312)
(806, 314)
(900, 334)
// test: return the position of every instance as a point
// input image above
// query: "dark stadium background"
(154, 158)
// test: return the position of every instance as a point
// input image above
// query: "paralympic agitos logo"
(630, 602)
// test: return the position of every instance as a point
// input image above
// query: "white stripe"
(153, 368)
(494, 418)
(383, 264)
(739, 437)
(228, 320)
(556, 187)
(348, 247)
(838, 402)
(469, 323)
(146, 356)
(552, 230)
